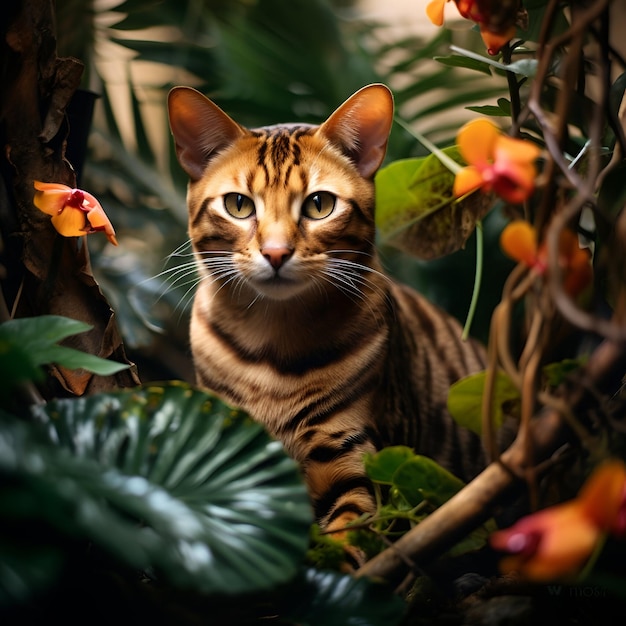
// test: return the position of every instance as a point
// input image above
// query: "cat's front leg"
(340, 490)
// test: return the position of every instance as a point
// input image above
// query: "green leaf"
(503, 109)
(338, 600)
(457, 60)
(475, 540)
(466, 395)
(488, 109)
(524, 67)
(416, 477)
(25, 569)
(38, 336)
(165, 479)
(415, 209)
(421, 478)
(16, 365)
(556, 373)
(382, 465)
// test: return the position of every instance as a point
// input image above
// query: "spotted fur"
(293, 318)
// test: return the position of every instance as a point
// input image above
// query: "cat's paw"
(338, 529)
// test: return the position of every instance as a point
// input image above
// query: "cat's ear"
(361, 126)
(200, 129)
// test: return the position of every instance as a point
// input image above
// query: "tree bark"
(44, 273)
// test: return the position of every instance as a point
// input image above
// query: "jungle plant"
(160, 492)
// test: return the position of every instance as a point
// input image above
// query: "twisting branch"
(481, 498)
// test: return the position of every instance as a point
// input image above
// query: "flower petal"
(561, 540)
(514, 168)
(514, 182)
(99, 221)
(601, 497)
(434, 11)
(470, 10)
(97, 217)
(519, 241)
(467, 180)
(40, 186)
(74, 212)
(71, 222)
(514, 150)
(477, 140)
(50, 197)
(495, 41)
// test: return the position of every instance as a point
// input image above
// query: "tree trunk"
(44, 273)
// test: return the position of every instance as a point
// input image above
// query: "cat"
(293, 319)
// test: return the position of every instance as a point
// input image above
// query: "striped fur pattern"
(293, 318)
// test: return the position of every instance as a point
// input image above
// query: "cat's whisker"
(356, 270)
(360, 266)
(356, 278)
(352, 273)
(354, 293)
(258, 297)
(178, 251)
(346, 284)
(339, 282)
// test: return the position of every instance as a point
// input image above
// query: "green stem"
(477, 280)
(451, 164)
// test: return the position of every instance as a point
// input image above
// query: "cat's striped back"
(293, 319)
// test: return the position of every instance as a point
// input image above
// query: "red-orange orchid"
(495, 33)
(519, 241)
(555, 544)
(74, 212)
(496, 162)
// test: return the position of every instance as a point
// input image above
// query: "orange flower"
(74, 212)
(495, 32)
(434, 11)
(519, 241)
(557, 542)
(496, 162)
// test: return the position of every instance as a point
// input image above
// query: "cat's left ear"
(361, 126)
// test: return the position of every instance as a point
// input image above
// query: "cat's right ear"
(200, 129)
(361, 126)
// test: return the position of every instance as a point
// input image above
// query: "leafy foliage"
(28, 343)
(465, 400)
(408, 488)
(415, 210)
(165, 479)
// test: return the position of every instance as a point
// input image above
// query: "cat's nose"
(276, 256)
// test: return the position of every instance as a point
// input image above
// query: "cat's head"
(282, 209)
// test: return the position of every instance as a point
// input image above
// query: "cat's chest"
(276, 385)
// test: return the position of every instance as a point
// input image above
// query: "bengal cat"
(293, 319)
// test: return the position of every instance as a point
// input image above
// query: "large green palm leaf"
(165, 479)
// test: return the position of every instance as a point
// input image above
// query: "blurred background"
(262, 61)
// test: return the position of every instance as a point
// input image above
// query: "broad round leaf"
(465, 400)
(415, 209)
(171, 480)
(382, 465)
(421, 478)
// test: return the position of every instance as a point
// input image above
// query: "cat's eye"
(238, 205)
(318, 205)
